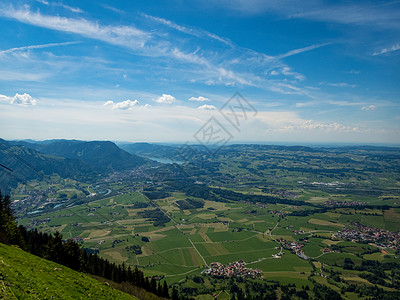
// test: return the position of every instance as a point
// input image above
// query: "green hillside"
(25, 276)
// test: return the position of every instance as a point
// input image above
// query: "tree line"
(70, 254)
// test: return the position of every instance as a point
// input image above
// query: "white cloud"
(200, 98)
(353, 72)
(210, 82)
(22, 100)
(387, 50)
(369, 107)
(124, 105)
(4, 98)
(165, 99)
(174, 123)
(207, 107)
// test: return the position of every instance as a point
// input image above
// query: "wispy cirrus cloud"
(286, 71)
(10, 75)
(43, 2)
(301, 50)
(340, 103)
(70, 8)
(234, 67)
(376, 14)
(24, 48)
(339, 84)
(200, 33)
(141, 41)
(116, 10)
(118, 35)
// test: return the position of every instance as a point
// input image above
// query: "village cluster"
(382, 238)
(295, 247)
(335, 203)
(236, 268)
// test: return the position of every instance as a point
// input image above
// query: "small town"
(295, 247)
(383, 238)
(335, 203)
(236, 268)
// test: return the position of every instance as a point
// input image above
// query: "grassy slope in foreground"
(26, 276)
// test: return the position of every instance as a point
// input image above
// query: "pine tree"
(159, 289)
(175, 295)
(55, 249)
(9, 232)
(73, 255)
(165, 292)
(153, 285)
(124, 276)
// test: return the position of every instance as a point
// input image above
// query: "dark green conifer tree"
(165, 292)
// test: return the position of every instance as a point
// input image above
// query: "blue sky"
(311, 71)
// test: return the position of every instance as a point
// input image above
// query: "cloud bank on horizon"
(315, 71)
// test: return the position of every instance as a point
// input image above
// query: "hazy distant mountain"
(177, 152)
(68, 158)
(103, 155)
(244, 147)
(21, 163)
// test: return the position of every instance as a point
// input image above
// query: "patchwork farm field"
(186, 244)
(121, 229)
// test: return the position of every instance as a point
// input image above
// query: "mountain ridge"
(24, 161)
(103, 154)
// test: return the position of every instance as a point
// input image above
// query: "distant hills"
(104, 155)
(31, 159)
(67, 158)
(175, 151)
